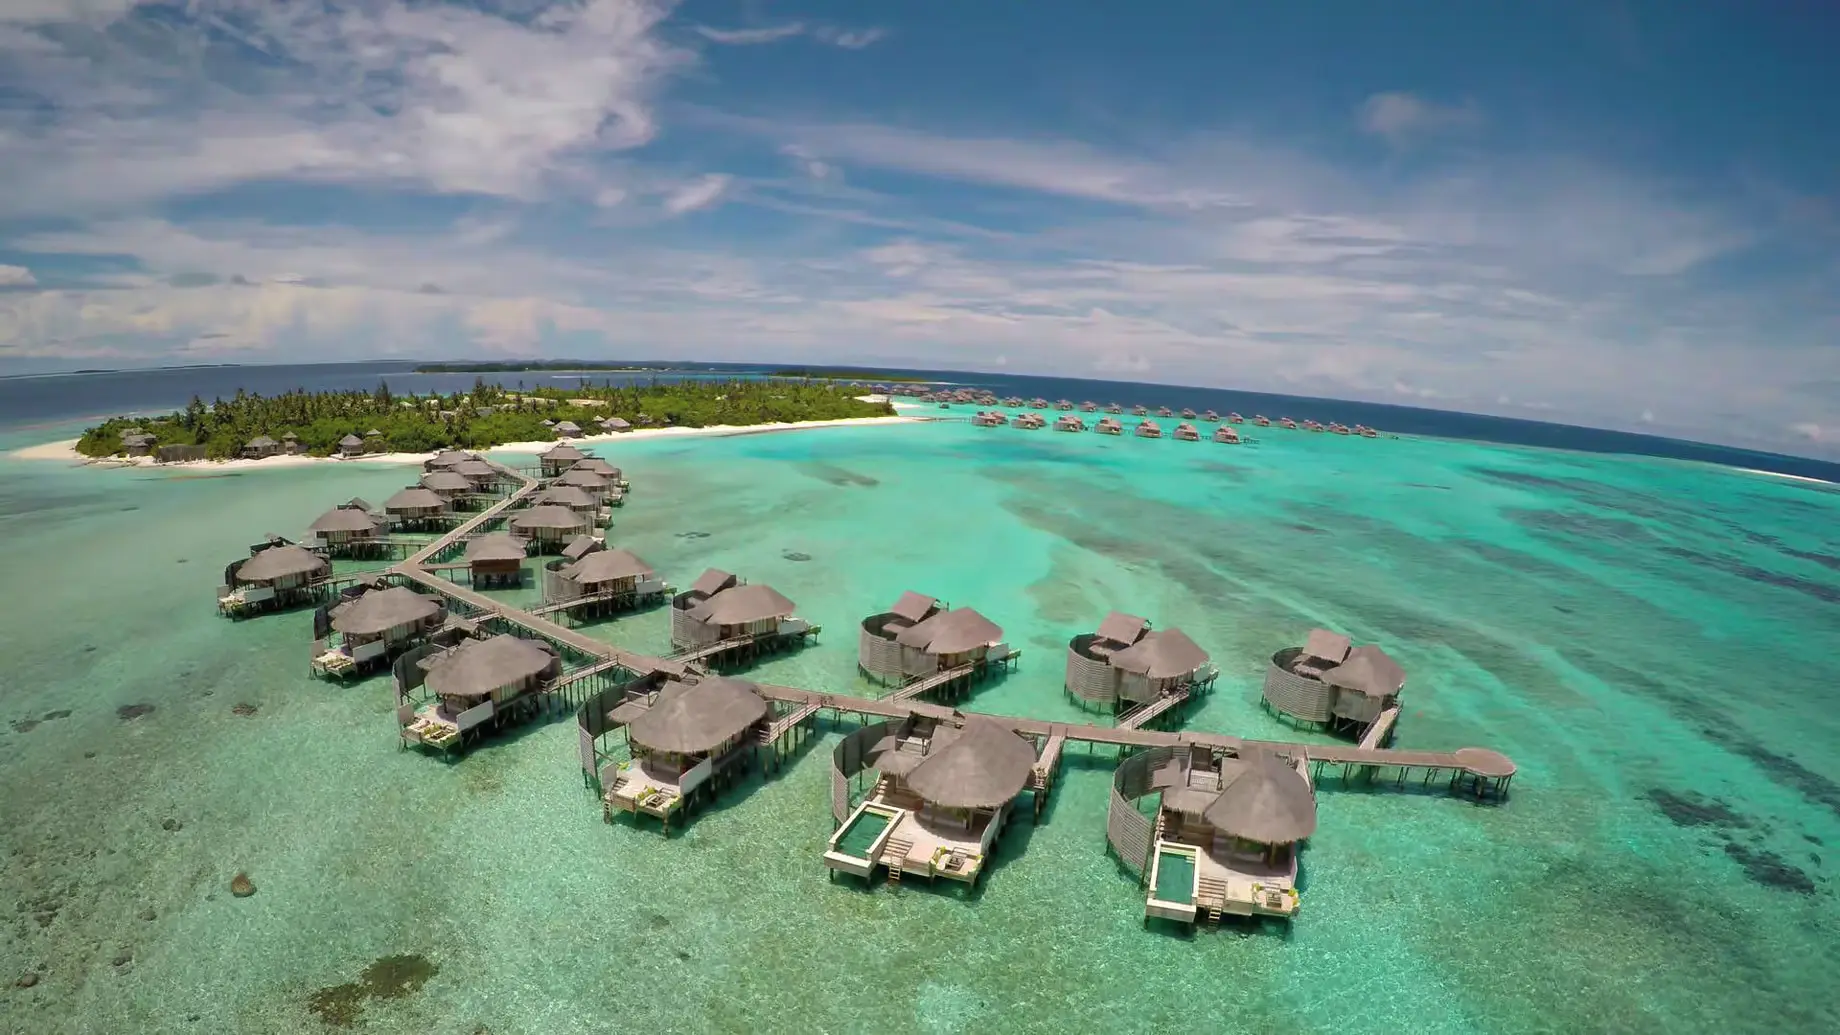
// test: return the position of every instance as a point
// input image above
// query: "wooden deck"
(927, 684)
(1142, 715)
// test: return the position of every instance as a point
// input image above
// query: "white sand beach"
(66, 450)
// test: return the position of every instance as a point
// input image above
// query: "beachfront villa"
(351, 445)
(1325, 681)
(1109, 426)
(719, 608)
(1222, 837)
(567, 429)
(685, 741)
(446, 696)
(347, 530)
(942, 796)
(418, 508)
(921, 641)
(1149, 429)
(1225, 433)
(600, 580)
(260, 447)
(559, 458)
(1186, 432)
(370, 626)
(1125, 665)
(496, 560)
(1069, 422)
(616, 425)
(550, 527)
(277, 574)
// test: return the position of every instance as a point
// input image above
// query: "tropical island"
(519, 366)
(317, 423)
(849, 373)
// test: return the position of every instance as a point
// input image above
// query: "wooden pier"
(1144, 714)
(928, 684)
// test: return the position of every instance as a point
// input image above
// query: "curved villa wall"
(1299, 696)
(1127, 829)
(1089, 678)
(876, 652)
(687, 631)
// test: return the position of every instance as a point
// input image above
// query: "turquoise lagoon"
(1649, 640)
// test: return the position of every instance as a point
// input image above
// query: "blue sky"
(1622, 214)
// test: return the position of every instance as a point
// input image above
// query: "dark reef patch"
(1581, 525)
(1780, 768)
(794, 555)
(1750, 572)
(59, 713)
(1767, 868)
(843, 477)
(657, 921)
(1307, 529)
(693, 535)
(389, 977)
(1694, 810)
(244, 709)
(130, 712)
(1825, 560)
(24, 725)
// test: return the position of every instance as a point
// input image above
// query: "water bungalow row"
(1184, 432)
(947, 398)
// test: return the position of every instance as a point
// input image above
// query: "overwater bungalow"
(602, 580)
(1164, 411)
(1210, 417)
(496, 560)
(277, 574)
(1140, 411)
(1286, 422)
(347, 530)
(1187, 414)
(446, 459)
(616, 425)
(1089, 407)
(1069, 422)
(988, 419)
(1014, 400)
(1226, 832)
(418, 509)
(450, 485)
(1326, 681)
(549, 528)
(686, 741)
(1148, 429)
(567, 429)
(595, 485)
(919, 638)
(1226, 434)
(1109, 426)
(1124, 664)
(481, 475)
(1336, 428)
(719, 608)
(445, 697)
(1038, 403)
(1186, 432)
(595, 465)
(260, 448)
(1063, 404)
(1028, 422)
(351, 445)
(577, 500)
(1312, 425)
(1234, 418)
(559, 458)
(1262, 421)
(942, 798)
(1369, 433)
(369, 626)
(1114, 408)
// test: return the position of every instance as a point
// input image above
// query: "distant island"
(315, 423)
(848, 373)
(540, 365)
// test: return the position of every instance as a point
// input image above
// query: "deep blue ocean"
(61, 398)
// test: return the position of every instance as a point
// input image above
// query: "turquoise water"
(1647, 639)
(1175, 877)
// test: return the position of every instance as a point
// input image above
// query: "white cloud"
(848, 39)
(1399, 116)
(698, 194)
(16, 277)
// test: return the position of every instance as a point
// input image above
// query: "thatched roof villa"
(137, 443)
(1329, 682)
(260, 447)
(1124, 664)
(943, 797)
(567, 429)
(600, 580)
(481, 475)
(1140, 411)
(276, 574)
(1226, 433)
(919, 637)
(688, 740)
(719, 608)
(616, 425)
(352, 445)
(595, 465)
(550, 527)
(446, 459)
(418, 507)
(349, 529)
(496, 560)
(1148, 429)
(1229, 831)
(373, 625)
(559, 458)
(575, 499)
(1109, 426)
(1068, 422)
(445, 697)
(1186, 432)
(450, 485)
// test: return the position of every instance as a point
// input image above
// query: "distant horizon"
(958, 377)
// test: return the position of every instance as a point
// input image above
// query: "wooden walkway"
(695, 655)
(770, 734)
(1140, 716)
(901, 703)
(1376, 735)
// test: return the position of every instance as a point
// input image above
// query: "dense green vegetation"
(417, 424)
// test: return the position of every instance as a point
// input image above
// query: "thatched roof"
(1119, 627)
(498, 546)
(595, 465)
(607, 565)
(279, 562)
(616, 423)
(1188, 801)
(1161, 655)
(259, 442)
(478, 667)
(568, 425)
(379, 610)
(1263, 800)
(415, 498)
(580, 546)
(373, 433)
(474, 469)
(742, 604)
(984, 766)
(581, 480)
(951, 632)
(692, 718)
(445, 481)
(1329, 646)
(564, 496)
(711, 582)
(1369, 670)
(450, 457)
(344, 519)
(351, 440)
(551, 516)
(913, 606)
(563, 451)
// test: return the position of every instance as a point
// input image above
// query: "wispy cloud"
(16, 277)
(699, 194)
(1401, 117)
(836, 36)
